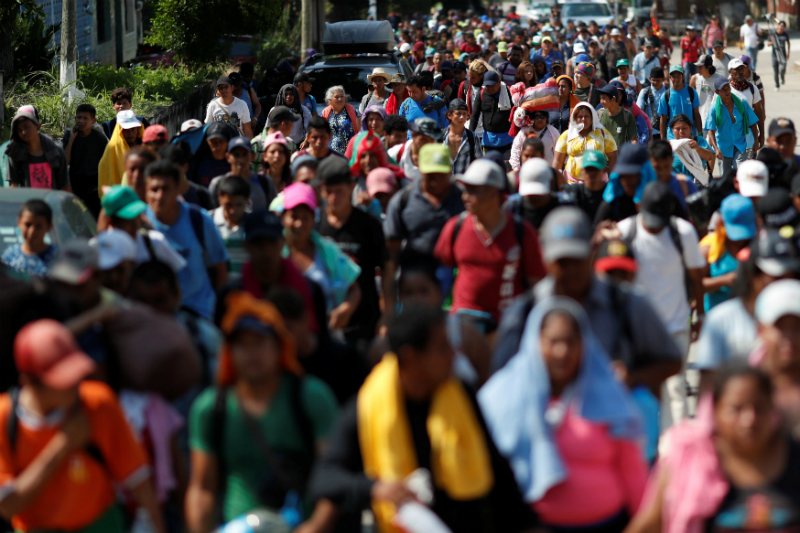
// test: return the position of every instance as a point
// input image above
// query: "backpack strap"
(196, 218)
(456, 230)
(148, 243)
(218, 417)
(405, 195)
(471, 140)
(676, 238)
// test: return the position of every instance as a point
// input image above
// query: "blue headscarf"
(514, 402)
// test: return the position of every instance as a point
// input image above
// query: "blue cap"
(739, 217)
(446, 65)
(262, 223)
(491, 78)
(240, 142)
(581, 58)
(720, 82)
(632, 158)
(251, 323)
(621, 90)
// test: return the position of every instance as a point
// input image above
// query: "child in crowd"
(33, 255)
(233, 197)
(34, 159)
(84, 147)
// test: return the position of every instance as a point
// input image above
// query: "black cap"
(657, 204)
(609, 90)
(457, 104)
(333, 170)
(776, 165)
(446, 65)
(302, 76)
(281, 113)
(632, 158)
(648, 24)
(262, 223)
(224, 80)
(236, 78)
(556, 62)
(218, 130)
(781, 125)
(459, 66)
(776, 251)
(614, 254)
(426, 126)
(776, 208)
(717, 43)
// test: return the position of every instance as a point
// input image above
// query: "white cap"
(535, 178)
(484, 172)
(594, 40)
(578, 48)
(404, 48)
(752, 176)
(734, 63)
(113, 247)
(127, 120)
(191, 124)
(615, 31)
(777, 300)
(441, 28)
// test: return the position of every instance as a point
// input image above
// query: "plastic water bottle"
(258, 521)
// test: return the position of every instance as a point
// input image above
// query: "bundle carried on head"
(542, 97)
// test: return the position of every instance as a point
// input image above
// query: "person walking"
(781, 48)
(691, 48)
(713, 32)
(378, 95)
(703, 83)
(494, 106)
(342, 118)
(730, 126)
(749, 34)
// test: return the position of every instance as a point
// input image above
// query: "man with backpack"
(493, 107)
(253, 438)
(615, 118)
(192, 233)
(650, 96)
(668, 254)
(240, 156)
(484, 241)
(680, 99)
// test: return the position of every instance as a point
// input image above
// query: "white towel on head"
(690, 159)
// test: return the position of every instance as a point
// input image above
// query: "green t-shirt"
(245, 462)
(616, 126)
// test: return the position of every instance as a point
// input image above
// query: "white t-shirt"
(162, 250)
(749, 35)
(751, 98)
(706, 94)
(660, 274)
(237, 114)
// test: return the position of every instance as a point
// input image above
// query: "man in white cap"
(747, 92)
(749, 33)
(34, 159)
(752, 179)
(486, 240)
(615, 50)
(116, 257)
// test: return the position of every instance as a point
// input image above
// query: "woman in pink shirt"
(567, 426)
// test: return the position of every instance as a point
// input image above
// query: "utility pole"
(307, 28)
(69, 47)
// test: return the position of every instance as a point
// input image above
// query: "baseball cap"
(717, 43)
(676, 68)
(720, 82)
(224, 80)
(648, 24)
(113, 247)
(302, 160)
(301, 77)
(614, 254)
(657, 205)
(254, 324)
(274, 138)
(566, 232)
(781, 125)
(435, 158)
(75, 263)
(239, 142)
(632, 158)
(484, 172)
(381, 180)
(397, 78)
(615, 31)
(777, 300)
(191, 124)
(459, 66)
(491, 78)
(419, 46)
(690, 28)
(446, 65)
(535, 178)
(578, 48)
(122, 201)
(735, 63)
(426, 126)
(405, 48)
(46, 350)
(745, 59)
(556, 63)
(430, 51)
(154, 133)
(127, 120)
(218, 130)
(502, 46)
(236, 78)
(334, 170)
(705, 60)
(262, 223)
(281, 113)
(299, 194)
(739, 217)
(623, 62)
(776, 208)
(776, 251)
(547, 38)
(594, 159)
(457, 104)
(752, 176)
(26, 111)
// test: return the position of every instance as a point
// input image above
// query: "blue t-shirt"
(32, 265)
(729, 134)
(680, 102)
(412, 111)
(310, 103)
(198, 293)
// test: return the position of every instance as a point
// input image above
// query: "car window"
(9, 233)
(585, 10)
(79, 221)
(354, 80)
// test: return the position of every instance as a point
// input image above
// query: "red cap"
(46, 350)
(154, 133)
(419, 47)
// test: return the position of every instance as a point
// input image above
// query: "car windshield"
(353, 78)
(585, 10)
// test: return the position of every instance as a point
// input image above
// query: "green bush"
(171, 83)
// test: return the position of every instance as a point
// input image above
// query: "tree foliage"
(195, 29)
(24, 38)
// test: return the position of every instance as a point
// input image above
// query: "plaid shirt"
(466, 153)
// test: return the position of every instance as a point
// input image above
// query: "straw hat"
(379, 73)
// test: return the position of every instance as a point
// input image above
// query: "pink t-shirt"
(41, 175)
(604, 476)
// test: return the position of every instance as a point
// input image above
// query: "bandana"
(740, 86)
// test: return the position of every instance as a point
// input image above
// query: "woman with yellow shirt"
(584, 133)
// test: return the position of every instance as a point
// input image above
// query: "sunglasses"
(537, 116)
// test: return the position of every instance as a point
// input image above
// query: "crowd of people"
(549, 282)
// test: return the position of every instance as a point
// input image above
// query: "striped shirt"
(233, 237)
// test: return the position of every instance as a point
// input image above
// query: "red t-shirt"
(470, 48)
(488, 270)
(691, 48)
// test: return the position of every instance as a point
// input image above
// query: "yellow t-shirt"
(599, 139)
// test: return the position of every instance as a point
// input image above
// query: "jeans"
(778, 68)
(689, 69)
(733, 162)
(753, 53)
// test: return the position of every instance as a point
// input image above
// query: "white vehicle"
(587, 11)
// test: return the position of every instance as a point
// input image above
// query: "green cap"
(435, 158)
(593, 158)
(676, 68)
(623, 62)
(122, 201)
